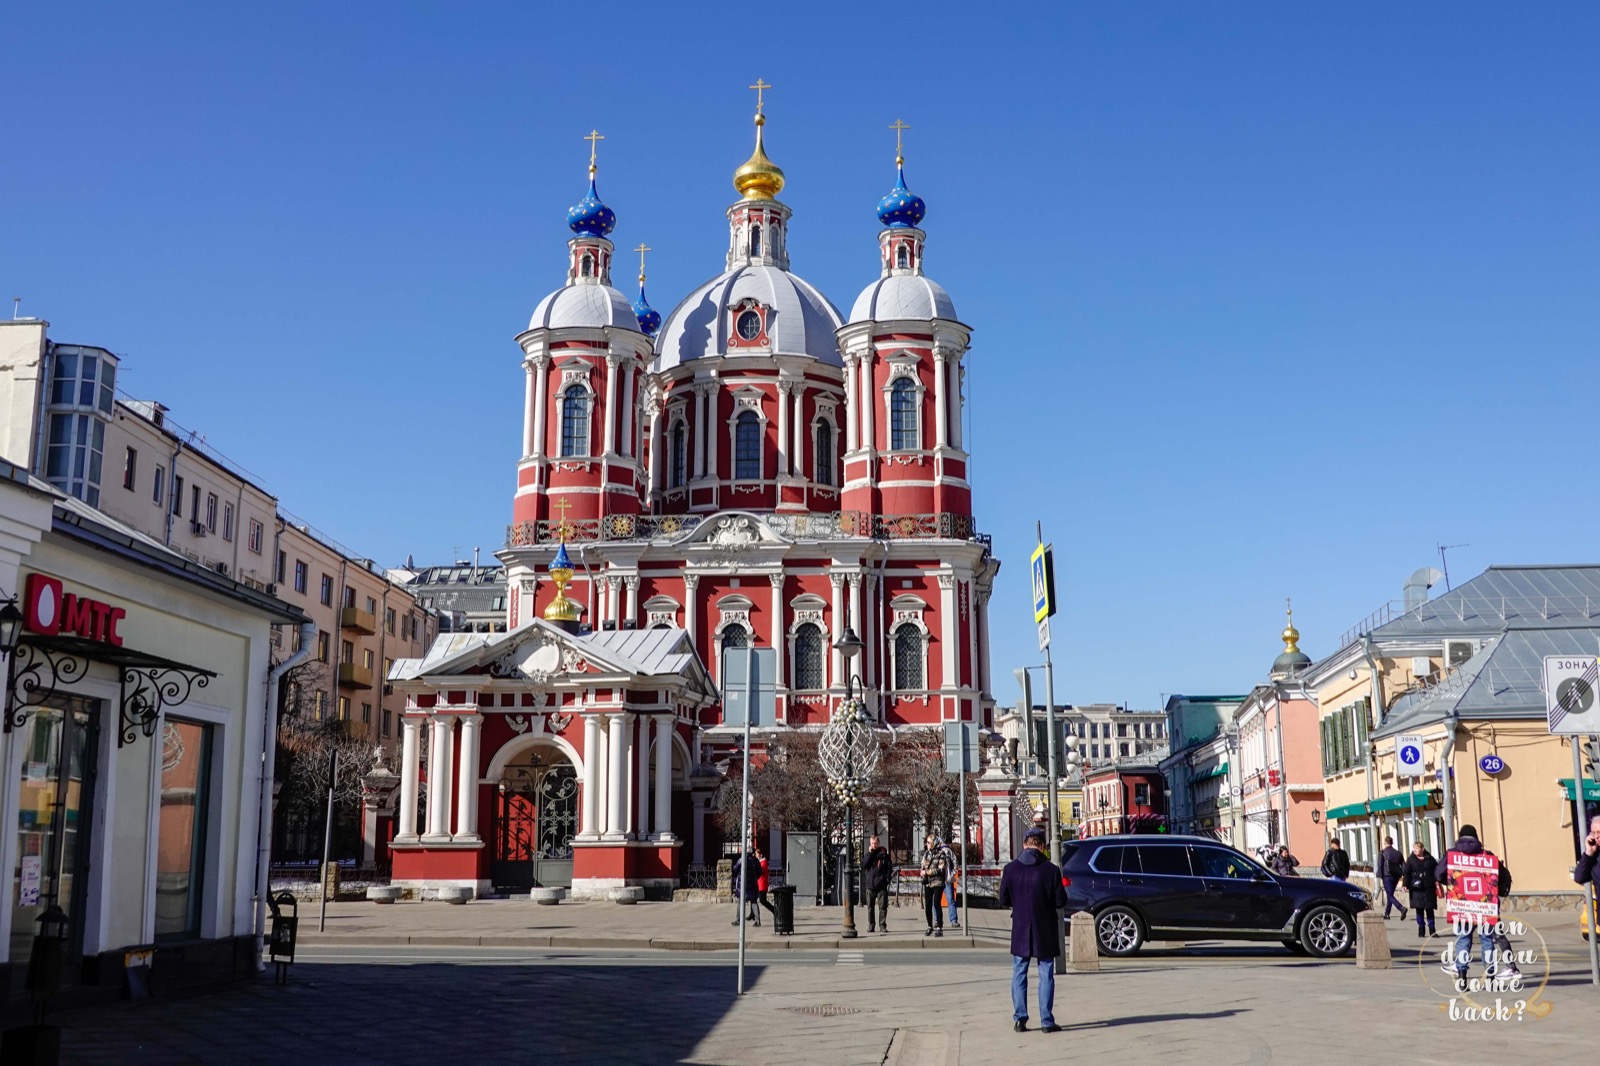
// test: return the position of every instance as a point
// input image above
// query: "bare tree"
(307, 745)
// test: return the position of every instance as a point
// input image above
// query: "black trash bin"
(783, 910)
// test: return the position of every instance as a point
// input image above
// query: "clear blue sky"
(1268, 299)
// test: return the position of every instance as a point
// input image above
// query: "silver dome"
(584, 306)
(902, 296)
(803, 322)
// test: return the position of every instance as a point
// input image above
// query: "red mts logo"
(50, 611)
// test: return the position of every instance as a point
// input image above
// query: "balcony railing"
(354, 675)
(357, 619)
(668, 529)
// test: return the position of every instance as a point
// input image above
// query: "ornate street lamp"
(10, 627)
(848, 752)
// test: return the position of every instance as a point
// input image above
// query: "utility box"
(802, 868)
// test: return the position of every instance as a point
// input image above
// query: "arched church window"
(680, 454)
(808, 658)
(824, 454)
(586, 266)
(575, 421)
(907, 658)
(747, 447)
(903, 415)
(735, 636)
(902, 258)
(755, 240)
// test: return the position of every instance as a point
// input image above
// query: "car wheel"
(1119, 932)
(1295, 947)
(1327, 932)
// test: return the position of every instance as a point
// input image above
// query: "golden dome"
(561, 609)
(1291, 636)
(759, 178)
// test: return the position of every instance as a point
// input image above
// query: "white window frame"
(904, 367)
(747, 399)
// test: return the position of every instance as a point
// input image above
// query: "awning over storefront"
(1349, 810)
(1591, 789)
(1425, 799)
(1216, 771)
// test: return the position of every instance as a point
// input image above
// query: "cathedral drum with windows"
(752, 469)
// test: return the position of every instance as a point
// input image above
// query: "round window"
(749, 325)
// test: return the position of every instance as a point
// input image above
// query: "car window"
(1068, 850)
(1217, 862)
(1108, 860)
(1170, 859)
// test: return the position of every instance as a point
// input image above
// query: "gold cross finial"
(1288, 605)
(594, 137)
(899, 129)
(563, 527)
(643, 248)
(760, 87)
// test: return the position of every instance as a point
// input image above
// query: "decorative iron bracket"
(32, 677)
(148, 690)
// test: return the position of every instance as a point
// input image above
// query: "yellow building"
(1463, 674)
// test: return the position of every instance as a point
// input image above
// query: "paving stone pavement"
(395, 1003)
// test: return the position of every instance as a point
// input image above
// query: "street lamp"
(848, 752)
(10, 627)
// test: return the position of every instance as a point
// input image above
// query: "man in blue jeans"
(1031, 887)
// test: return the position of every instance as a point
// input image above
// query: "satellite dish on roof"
(1418, 584)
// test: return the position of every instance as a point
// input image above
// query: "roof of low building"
(1536, 597)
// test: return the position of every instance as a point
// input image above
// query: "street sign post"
(961, 756)
(1569, 683)
(749, 694)
(1408, 755)
(1044, 605)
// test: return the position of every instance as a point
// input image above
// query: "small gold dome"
(561, 609)
(1291, 636)
(759, 178)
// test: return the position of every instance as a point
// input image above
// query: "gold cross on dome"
(760, 87)
(1288, 605)
(594, 137)
(563, 527)
(899, 128)
(643, 248)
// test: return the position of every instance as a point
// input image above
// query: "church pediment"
(734, 531)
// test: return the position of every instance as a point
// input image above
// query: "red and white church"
(753, 469)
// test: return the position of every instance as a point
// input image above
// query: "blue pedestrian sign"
(1491, 764)
(1042, 567)
(1408, 755)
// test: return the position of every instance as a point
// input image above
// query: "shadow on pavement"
(1146, 1019)
(421, 1013)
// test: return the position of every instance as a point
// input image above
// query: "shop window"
(181, 828)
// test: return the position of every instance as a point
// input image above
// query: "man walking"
(1335, 863)
(1031, 887)
(877, 872)
(1390, 866)
(1476, 881)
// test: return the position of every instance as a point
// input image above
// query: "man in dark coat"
(1390, 864)
(877, 871)
(1336, 862)
(746, 882)
(1031, 887)
(1487, 926)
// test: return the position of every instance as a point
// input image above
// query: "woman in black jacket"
(1417, 875)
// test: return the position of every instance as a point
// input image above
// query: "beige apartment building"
(60, 414)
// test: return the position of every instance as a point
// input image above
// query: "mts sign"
(49, 610)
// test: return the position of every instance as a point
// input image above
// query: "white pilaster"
(439, 758)
(701, 428)
(616, 777)
(632, 614)
(663, 823)
(947, 638)
(590, 814)
(530, 408)
(541, 372)
(940, 400)
(851, 392)
(610, 445)
(641, 756)
(691, 610)
(868, 403)
(779, 644)
(714, 430)
(836, 676)
(628, 407)
(467, 784)
(784, 388)
(410, 726)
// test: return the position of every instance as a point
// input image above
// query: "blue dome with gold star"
(591, 218)
(902, 208)
(561, 561)
(649, 318)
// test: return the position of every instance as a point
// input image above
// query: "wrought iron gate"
(537, 818)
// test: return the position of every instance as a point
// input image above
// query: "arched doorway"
(536, 817)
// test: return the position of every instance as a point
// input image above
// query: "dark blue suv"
(1142, 888)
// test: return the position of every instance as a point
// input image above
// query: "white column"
(467, 783)
(410, 726)
(954, 358)
(947, 637)
(868, 400)
(663, 824)
(590, 814)
(691, 612)
(714, 431)
(625, 445)
(873, 639)
(530, 407)
(632, 614)
(801, 440)
(656, 484)
(700, 426)
(778, 641)
(616, 777)
(641, 820)
(836, 677)
(850, 392)
(610, 444)
(784, 388)
(439, 757)
(541, 371)
(941, 400)
(603, 794)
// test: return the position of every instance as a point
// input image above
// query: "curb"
(659, 944)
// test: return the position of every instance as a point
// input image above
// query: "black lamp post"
(848, 754)
(10, 627)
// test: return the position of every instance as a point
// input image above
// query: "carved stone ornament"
(518, 723)
(904, 370)
(575, 376)
(802, 617)
(735, 532)
(663, 618)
